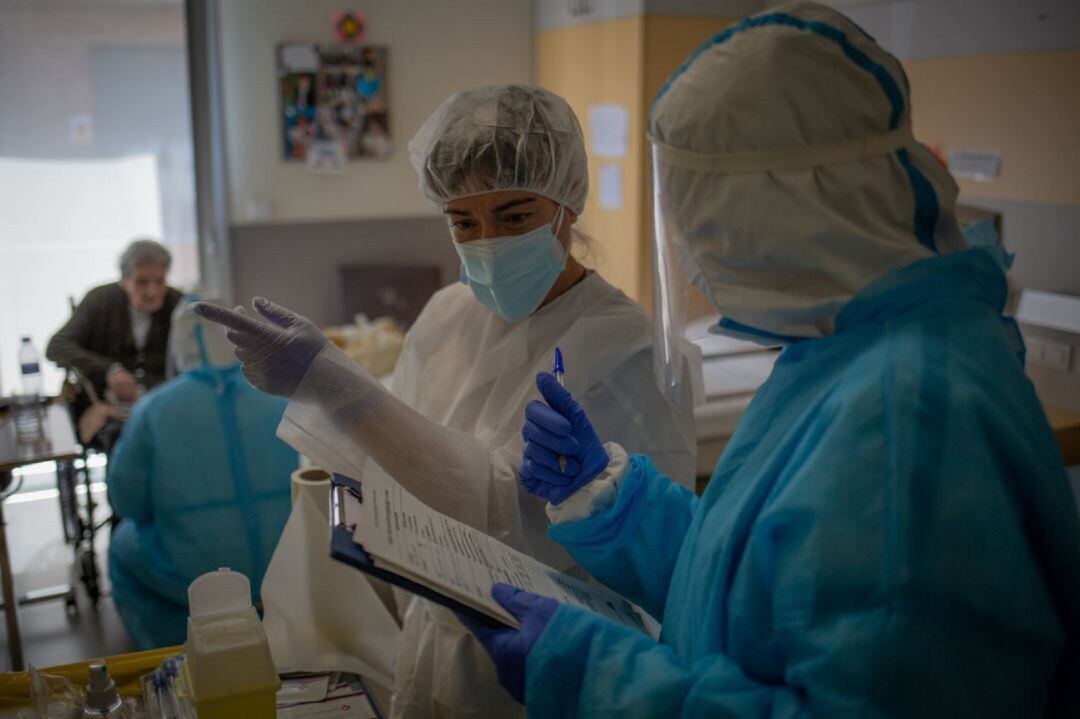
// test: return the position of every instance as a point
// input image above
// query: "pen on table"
(557, 370)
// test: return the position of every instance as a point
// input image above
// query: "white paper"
(321, 615)
(1048, 309)
(405, 536)
(303, 689)
(353, 708)
(326, 157)
(610, 181)
(299, 58)
(608, 130)
(981, 165)
(80, 129)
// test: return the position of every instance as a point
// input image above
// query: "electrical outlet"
(1046, 353)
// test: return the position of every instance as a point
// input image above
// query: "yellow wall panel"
(669, 41)
(599, 63)
(1027, 106)
(623, 61)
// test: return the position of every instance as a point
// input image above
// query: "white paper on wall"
(608, 130)
(610, 187)
(981, 165)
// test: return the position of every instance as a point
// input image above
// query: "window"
(95, 151)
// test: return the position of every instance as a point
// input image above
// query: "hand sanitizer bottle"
(102, 699)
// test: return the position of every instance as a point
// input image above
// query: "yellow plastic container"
(126, 669)
(228, 670)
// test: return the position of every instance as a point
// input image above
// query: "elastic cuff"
(597, 495)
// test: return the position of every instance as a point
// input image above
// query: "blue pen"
(557, 370)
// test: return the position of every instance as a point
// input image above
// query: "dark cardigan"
(99, 335)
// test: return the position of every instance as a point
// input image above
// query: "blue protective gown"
(888, 533)
(201, 482)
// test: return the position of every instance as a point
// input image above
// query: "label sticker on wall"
(981, 165)
(610, 187)
(80, 129)
(607, 130)
(326, 157)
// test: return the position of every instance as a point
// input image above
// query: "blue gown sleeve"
(632, 547)
(131, 467)
(904, 590)
(584, 665)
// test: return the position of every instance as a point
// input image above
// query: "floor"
(52, 635)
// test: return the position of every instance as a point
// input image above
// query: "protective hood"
(195, 343)
(785, 172)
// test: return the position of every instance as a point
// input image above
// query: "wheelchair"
(79, 515)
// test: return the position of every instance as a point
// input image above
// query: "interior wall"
(434, 49)
(669, 41)
(600, 63)
(628, 59)
(1002, 76)
(115, 65)
(985, 75)
(291, 229)
(1024, 106)
(297, 265)
(47, 71)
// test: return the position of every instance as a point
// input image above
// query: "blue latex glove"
(553, 430)
(508, 648)
(276, 348)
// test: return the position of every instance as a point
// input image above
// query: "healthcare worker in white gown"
(506, 165)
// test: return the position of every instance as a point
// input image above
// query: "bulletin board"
(333, 93)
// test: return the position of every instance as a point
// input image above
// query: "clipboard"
(344, 549)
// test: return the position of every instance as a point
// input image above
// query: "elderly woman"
(117, 337)
(506, 165)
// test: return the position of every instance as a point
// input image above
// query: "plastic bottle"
(102, 699)
(228, 668)
(29, 367)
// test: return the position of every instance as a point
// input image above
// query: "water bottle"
(29, 415)
(30, 367)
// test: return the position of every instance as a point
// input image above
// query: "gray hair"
(144, 252)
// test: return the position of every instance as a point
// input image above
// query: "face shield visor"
(676, 302)
(718, 252)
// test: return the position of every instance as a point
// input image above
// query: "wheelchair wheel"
(69, 505)
(89, 576)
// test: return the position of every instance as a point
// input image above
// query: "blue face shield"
(512, 275)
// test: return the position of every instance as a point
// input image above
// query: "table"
(127, 671)
(56, 444)
(1066, 428)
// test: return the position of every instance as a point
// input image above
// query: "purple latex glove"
(558, 429)
(276, 347)
(508, 648)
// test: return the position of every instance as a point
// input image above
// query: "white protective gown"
(465, 368)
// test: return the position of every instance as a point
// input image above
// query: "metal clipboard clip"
(337, 502)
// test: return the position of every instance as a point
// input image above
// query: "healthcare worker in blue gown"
(889, 532)
(200, 480)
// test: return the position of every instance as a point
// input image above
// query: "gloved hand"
(553, 430)
(276, 349)
(508, 648)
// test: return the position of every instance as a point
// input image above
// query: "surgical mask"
(512, 275)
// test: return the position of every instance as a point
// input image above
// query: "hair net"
(194, 342)
(786, 174)
(502, 137)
